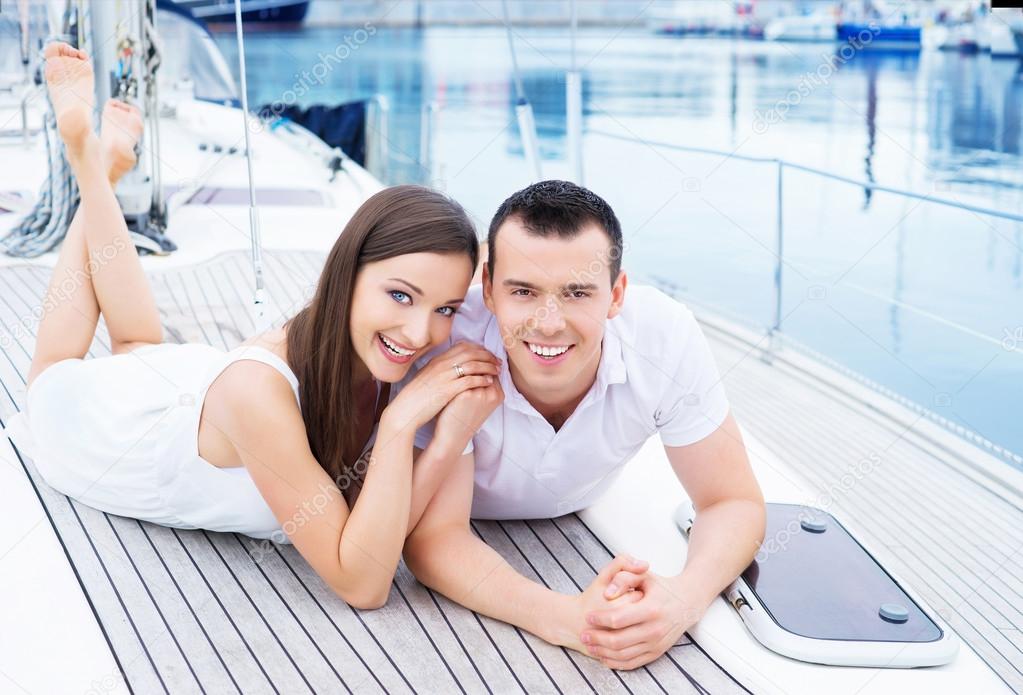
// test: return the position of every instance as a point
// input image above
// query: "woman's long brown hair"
(394, 222)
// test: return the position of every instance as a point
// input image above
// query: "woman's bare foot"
(70, 83)
(119, 133)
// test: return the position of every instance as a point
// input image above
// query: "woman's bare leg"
(98, 269)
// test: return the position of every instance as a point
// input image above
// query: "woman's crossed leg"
(98, 270)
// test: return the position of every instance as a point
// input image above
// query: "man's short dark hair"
(561, 209)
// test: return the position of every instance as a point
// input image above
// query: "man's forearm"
(429, 471)
(724, 538)
(459, 565)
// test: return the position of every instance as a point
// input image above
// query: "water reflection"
(898, 291)
(871, 117)
(546, 92)
(973, 105)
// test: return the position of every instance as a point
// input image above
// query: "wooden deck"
(954, 541)
(196, 611)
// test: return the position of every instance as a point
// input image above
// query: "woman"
(260, 437)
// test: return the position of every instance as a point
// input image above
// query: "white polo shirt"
(656, 374)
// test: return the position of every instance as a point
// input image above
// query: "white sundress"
(120, 433)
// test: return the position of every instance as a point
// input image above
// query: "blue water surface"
(922, 298)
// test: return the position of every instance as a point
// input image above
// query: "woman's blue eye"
(447, 311)
(401, 297)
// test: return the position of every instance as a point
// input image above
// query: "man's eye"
(447, 311)
(401, 297)
(579, 294)
(520, 293)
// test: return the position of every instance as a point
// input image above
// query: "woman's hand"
(439, 382)
(465, 414)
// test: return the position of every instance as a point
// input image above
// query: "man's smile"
(548, 353)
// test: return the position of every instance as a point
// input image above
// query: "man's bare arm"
(726, 534)
(730, 513)
(446, 556)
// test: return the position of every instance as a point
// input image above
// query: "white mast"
(523, 109)
(117, 61)
(574, 106)
(257, 251)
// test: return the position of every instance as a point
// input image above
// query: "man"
(588, 377)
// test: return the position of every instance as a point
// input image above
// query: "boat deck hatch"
(814, 579)
(815, 594)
